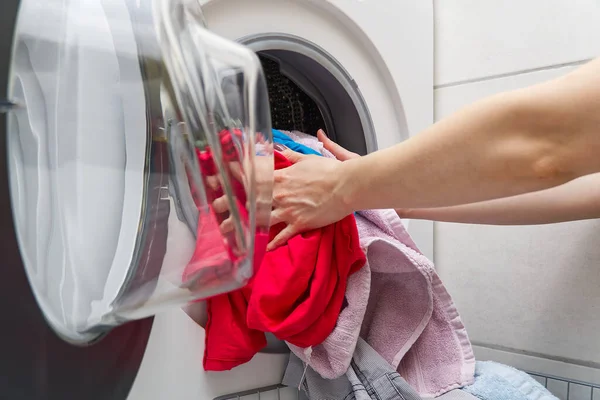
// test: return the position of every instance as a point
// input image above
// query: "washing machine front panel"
(385, 47)
(384, 52)
(401, 34)
(97, 214)
(389, 76)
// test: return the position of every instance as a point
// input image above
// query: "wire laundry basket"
(273, 392)
(568, 389)
(564, 389)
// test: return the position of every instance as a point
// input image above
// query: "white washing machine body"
(384, 48)
(366, 64)
(381, 52)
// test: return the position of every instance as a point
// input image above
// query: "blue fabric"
(495, 381)
(282, 138)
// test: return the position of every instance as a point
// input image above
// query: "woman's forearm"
(485, 151)
(506, 145)
(575, 200)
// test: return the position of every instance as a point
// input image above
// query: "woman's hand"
(338, 151)
(307, 195)
(302, 198)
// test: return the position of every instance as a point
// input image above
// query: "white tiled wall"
(482, 38)
(530, 296)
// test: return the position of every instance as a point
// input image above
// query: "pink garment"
(398, 304)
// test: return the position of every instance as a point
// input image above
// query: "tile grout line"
(510, 74)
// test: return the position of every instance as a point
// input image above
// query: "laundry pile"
(362, 310)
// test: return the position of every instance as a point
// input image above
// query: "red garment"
(211, 253)
(297, 294)
(231, 154)
(214, 256)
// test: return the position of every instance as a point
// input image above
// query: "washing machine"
(362, 70)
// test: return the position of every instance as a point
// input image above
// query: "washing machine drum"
(128, 120)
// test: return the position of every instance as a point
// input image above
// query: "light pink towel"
(398, 304)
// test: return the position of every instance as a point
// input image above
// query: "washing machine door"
(127, 120)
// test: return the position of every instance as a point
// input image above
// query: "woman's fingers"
(311, 179)
(220, 205)
(286, 234)
(338, 151)
(226, 226)
(213, 182)
(237, 171)
(276, 217)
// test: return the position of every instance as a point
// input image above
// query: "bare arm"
(509, 144)
(575, 200)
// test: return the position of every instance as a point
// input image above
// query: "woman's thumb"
(338, 151)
